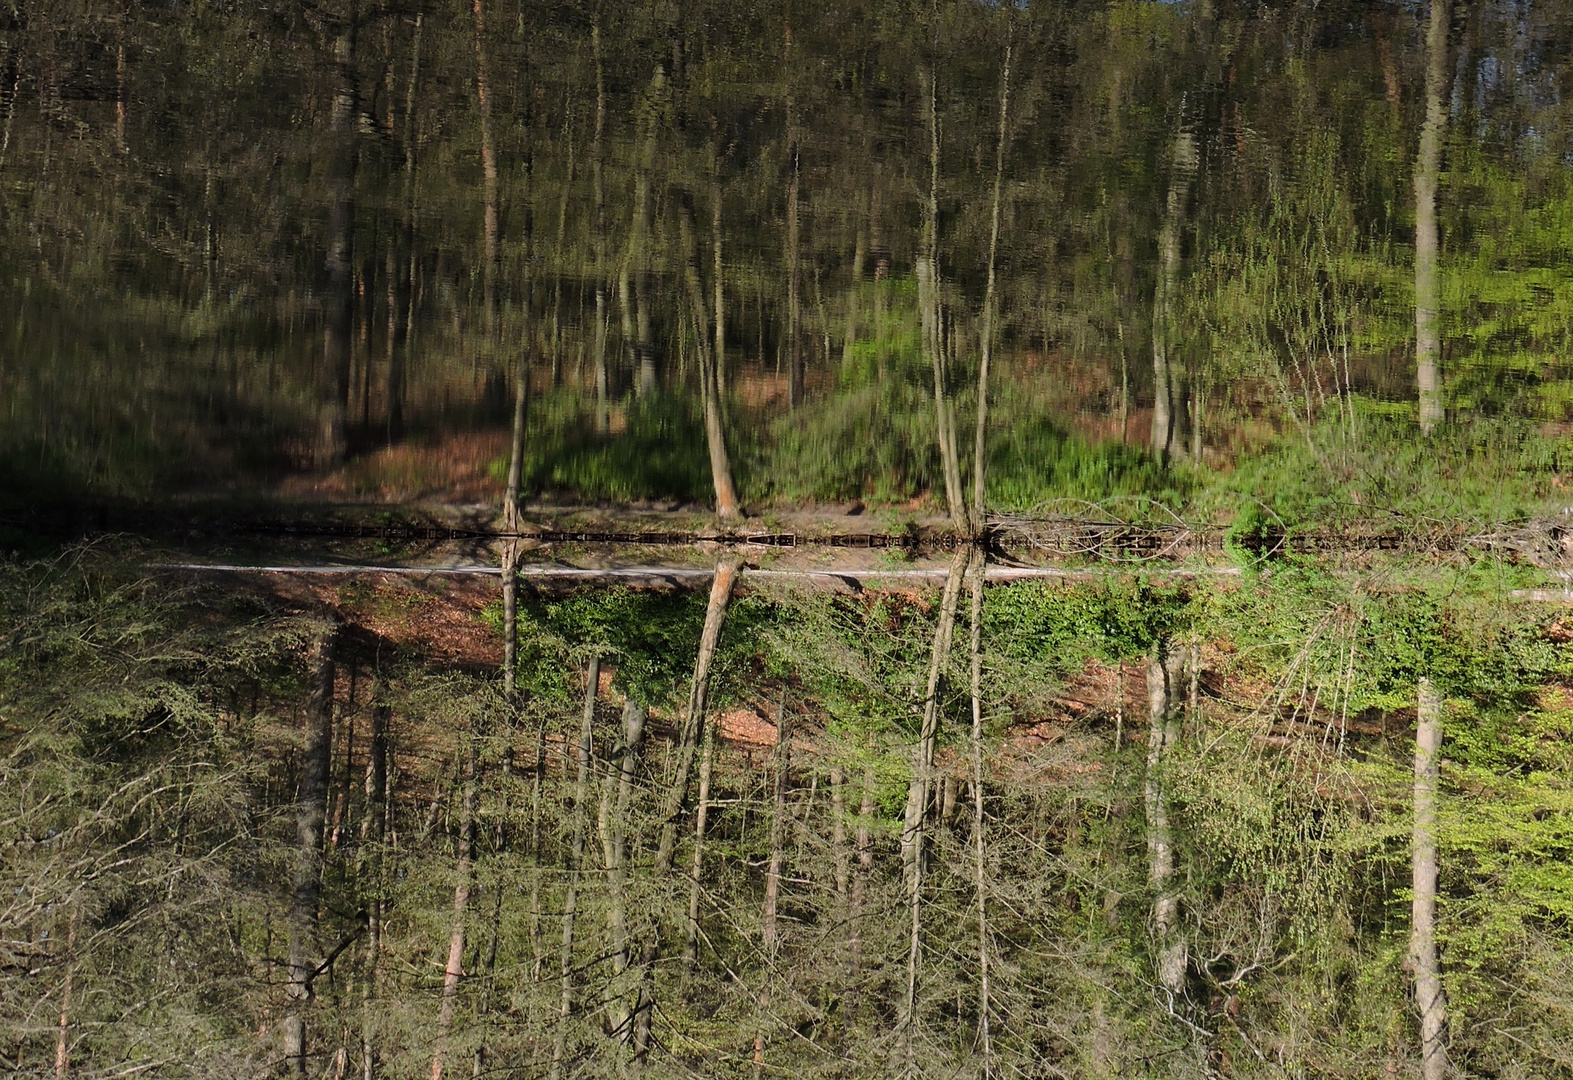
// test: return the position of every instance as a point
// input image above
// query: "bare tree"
(1428, 167)
(1429, 997)
(310, 813)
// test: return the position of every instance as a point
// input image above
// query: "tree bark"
(1429, 997)
(372, 832)
(933, 330)
(453, 971)
(979, 439)
(483, 104)
(1428, 167)
(720, 463)
(694, 718)
(985, 1044)
(1163, 672)
(338, 312)
(920, 785)
(779, 756)
(63, 1032)
(310, 812)
(720, 292)
(575, 863)
(603, 416)
(1182, 166)
(616, 798)
(696, 873)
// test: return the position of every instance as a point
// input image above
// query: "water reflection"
(309, 254)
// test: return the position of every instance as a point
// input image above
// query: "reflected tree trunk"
(603, 416)
(980, 434)
(720, 463)
(1428, 167)
(929, 301)
(635, 301)
(338, 300)
(1429, 997)
(1167, 395)
(483, 106)
(720, 291)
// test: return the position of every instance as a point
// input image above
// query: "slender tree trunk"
(399, 351)
(1182, 166)
(838, 835)
(338, 307)
(1162, 734)
(636, 325)
(310, 813)
(794, 281)
(985, 1045)
(371, 836)
(720, 292)
(463, 871)
(979, 439)
(603, 416)
(933, 329)
(720, 463)
(483, 104)
(694, 717)
(920, 787)
(696, 872)
(780, 759)
(616, 797)
(1428, 168)
(859, 898)
(63, 1031)
(1429, 997)
(576, 861)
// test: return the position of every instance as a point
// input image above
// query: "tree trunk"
(1428, 167)
(1163, 672)
(919, 787)
(985, 1045)
(603, 416)
(979, 439)
(854, 290)
(576, 860)
(63, 1032)
(1182, 166)
(310, 813)
(371, 836)
(453, 971)
(483, 104)
(720, 463)
(794, 282)
(777, 819)
(338, 301)
(694, 718)
(637, 329)
(696, 873)
(616, 797)
(933, 330)
(1429, 997)
(720, 292)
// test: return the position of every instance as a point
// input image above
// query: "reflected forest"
(930, 539)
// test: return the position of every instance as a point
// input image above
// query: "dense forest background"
(1289, 798)
(310, 249)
